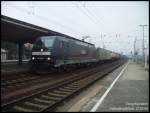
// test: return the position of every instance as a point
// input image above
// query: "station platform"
(127, 93)
(12, 67)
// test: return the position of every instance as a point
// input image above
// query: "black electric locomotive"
(57, 51)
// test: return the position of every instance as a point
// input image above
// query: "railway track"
(23, 80)
(47, 99)
(15, 84)
(20, 79)
(26, 79)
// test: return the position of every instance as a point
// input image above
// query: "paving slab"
(129, 93)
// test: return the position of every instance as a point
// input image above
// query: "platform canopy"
(13, 30)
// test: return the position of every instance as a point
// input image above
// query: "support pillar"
(20, 51)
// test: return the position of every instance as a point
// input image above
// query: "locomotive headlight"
(33, 58)
(48, 58)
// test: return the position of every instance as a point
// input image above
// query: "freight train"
(60, 52)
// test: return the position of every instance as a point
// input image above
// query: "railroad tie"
(52, 98)
(69, 87)
(15, 81)
(61, 92)
(35, 105)
(8, 82)
(43, 101)
(55, 94)
(66, 90)
(33, 77)
(74, 85)
(21, 79)
(17, 85)
(10, 86)
(22, 83)
(46, 97)
(18, 108)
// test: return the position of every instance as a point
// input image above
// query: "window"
(48, 41)
(45, 41)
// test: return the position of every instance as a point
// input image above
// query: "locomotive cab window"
(45, 41)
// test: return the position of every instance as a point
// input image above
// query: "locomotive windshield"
(45, 41)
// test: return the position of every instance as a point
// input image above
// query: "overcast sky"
(118, 22)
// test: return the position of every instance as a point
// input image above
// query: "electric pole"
(135, 52)
(103, 46)
(144, 55)
(31, 7)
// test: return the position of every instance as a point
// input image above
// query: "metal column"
(20, 51)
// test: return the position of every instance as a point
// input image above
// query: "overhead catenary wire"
(43, 18)
(96, 20)
(85, 13)
(90, 13)
(31, 6)
(33, 13)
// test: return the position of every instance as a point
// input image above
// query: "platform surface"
(8, 68)
(129, 93)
